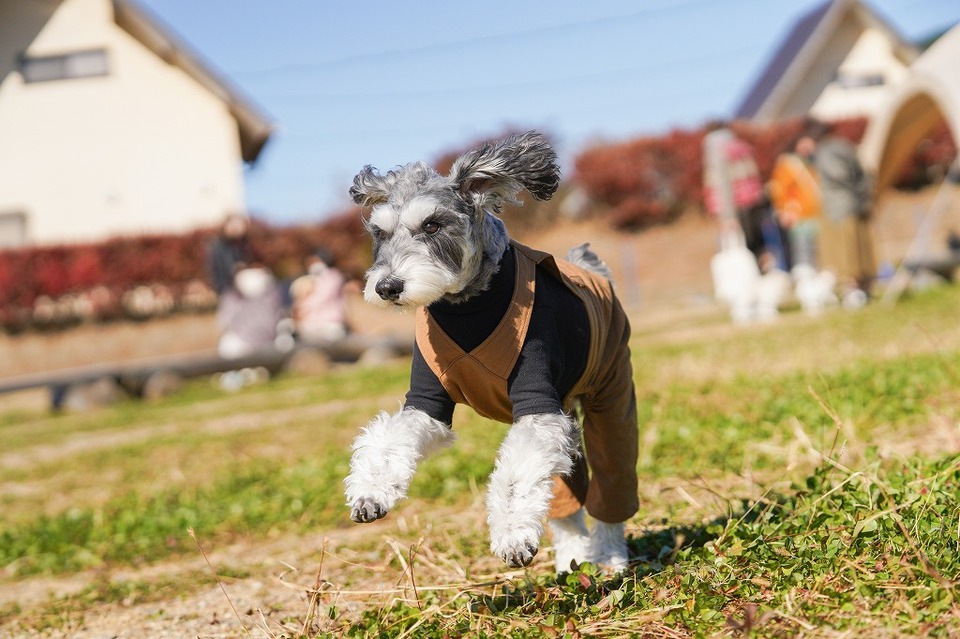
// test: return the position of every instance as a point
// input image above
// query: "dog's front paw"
(517, 547)
(366, 509)
(517, 557)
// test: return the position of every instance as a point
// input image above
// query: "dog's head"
(438, 236)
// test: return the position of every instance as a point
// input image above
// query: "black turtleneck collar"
(499, 291)
(484, 310)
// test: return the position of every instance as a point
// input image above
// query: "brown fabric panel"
(610, 431)
(479, 378)
(500, 351)
(438, 350)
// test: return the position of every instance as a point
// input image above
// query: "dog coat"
(481, 378)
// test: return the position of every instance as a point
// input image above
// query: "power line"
(600, 105)
(517, 85)
(301, 67)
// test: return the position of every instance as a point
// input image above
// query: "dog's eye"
(379, 234)
(430, 227)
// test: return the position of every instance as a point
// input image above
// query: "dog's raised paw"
(516, 542)
(366, 510)
(519, 556)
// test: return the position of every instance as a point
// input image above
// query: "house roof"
(798, 51)
(255, 127)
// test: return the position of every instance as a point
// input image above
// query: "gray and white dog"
(438, 243)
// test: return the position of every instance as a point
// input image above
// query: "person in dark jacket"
(847, 242)
(230, 248)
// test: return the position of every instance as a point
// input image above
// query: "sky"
(386, 83)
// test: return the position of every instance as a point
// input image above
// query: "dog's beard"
(423, 284)
(428, 269)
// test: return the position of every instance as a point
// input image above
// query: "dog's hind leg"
(571, 540)
(385, 456)
(608, 546)
(536, 448)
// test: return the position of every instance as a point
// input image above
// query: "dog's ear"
(369, 187)
(498, 170)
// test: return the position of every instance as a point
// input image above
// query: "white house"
(840, 60)
(110, 125)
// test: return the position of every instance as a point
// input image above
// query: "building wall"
(872, 57)
(828, 57)
(144, 148)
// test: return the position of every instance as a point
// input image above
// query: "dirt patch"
(360, 565)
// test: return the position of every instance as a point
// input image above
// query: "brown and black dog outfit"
(545, 336)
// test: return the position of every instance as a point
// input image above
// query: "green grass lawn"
(797, 479)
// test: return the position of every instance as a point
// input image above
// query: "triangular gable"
(255, 127)
(776, 69)
(789, 66)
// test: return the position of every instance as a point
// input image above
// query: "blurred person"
(229, 248)
(319, 306)
(733, 194)
(795, 194)
(846, 236)
(733, 191)
(249, 313)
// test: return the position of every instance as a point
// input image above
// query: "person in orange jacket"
(795, 194)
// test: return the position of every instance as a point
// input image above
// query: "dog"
(814, 289)
(517, 335)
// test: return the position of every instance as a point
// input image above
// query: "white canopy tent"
(928, 95)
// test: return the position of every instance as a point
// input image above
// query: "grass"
(866, 552)
(797, 479)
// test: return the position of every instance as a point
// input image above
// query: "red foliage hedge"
(57, 285)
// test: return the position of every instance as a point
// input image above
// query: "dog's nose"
(389, 289)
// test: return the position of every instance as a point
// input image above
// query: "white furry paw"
(385, 455)
(571, 541)
(608, 546)
(517, 546)
(367, 509)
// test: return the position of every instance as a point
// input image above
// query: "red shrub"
(84, 268)
(51, 273)
(642, 181)
(170, 267)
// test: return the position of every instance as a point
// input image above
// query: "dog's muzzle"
(389, 289)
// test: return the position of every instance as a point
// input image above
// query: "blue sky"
(385, 83)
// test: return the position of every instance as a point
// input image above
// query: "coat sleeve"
(532, 385)
(426, 392)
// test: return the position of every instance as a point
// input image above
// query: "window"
(848, 80)
(13, 230)
(80, 64)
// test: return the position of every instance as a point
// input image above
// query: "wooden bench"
(154, 377)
